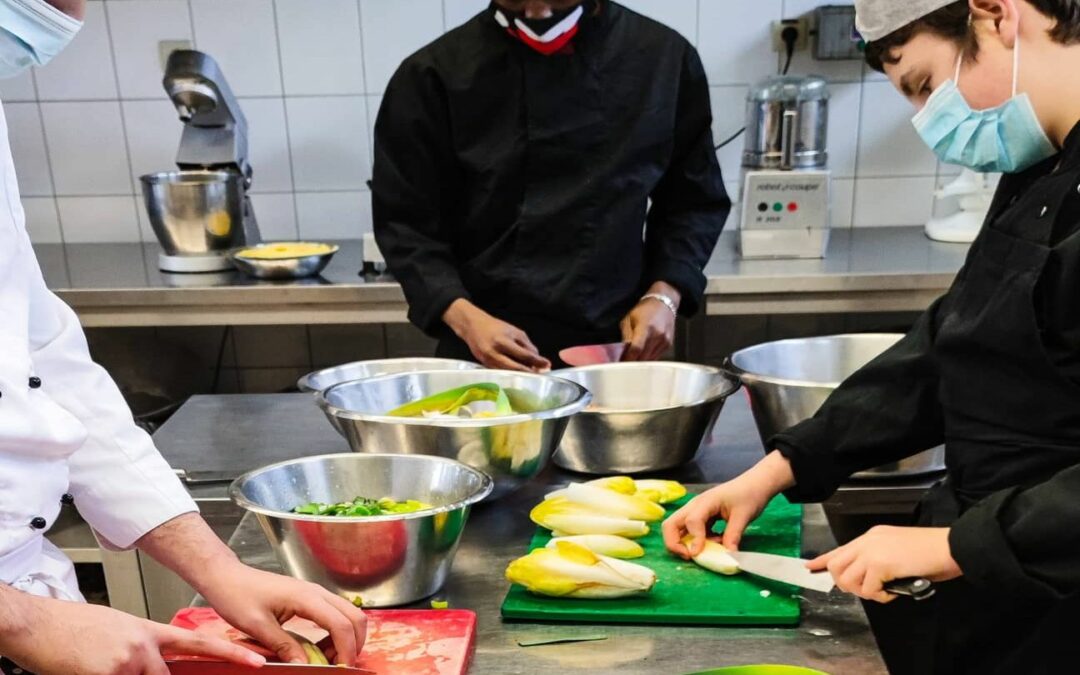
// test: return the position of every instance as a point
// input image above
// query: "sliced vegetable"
(570, 570)
(452, 401)
(361, 507)
(714, 557)
(614, 503)
(660, 491)
(312, 652)
(604, 544)
(440, 604)
(567, 518)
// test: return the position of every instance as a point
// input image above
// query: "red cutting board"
(399, 641)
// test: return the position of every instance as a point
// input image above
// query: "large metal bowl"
(361, 370)
(384, 560)
(644, 416)
(512, 450)
(789, 381)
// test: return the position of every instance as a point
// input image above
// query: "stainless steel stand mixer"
(202, 211)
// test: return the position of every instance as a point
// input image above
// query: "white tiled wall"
(310, 75)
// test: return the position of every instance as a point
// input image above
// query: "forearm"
(773, 473)
(76, 9)
(13, 619)
(188, 546)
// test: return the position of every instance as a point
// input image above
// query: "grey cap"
(875, 19)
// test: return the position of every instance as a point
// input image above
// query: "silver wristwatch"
(665, 300)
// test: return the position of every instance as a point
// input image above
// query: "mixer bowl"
(195, 212)
(383, 560)
(644, 416)
(512, 450)
(789, 380)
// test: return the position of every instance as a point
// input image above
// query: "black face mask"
(549, 35)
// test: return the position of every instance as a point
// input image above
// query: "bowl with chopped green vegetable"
(378, 529)
(503, 423)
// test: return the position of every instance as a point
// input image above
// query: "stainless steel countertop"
(869, 269)
(239, 432)
(833, 636)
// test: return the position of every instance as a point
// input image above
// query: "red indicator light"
(793, 207)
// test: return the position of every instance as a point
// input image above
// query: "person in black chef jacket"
(515, 161)
(992, 369)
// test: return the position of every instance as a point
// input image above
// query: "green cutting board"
(686, 593)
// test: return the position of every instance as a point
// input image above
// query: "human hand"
(494, 343)
(864, 565)
(55, 636)
(737, 502)
(258, 602)
(649, 329)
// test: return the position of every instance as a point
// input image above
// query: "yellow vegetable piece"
(621, 484)
(660, 491)
(604, 544)
(614, 503)
(566, 517)
(439, 604)
(714, 557)
(569, 570)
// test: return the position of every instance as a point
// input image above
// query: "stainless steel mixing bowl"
(644, 416)
(293, 267)
(789, 380)
(361, 370)
(512, 450)
(384, 560)
(195, 212)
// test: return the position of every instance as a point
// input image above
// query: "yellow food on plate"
(285, 250)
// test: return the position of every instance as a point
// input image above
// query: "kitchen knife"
(784, 569)
(793, 571)
(193, 667)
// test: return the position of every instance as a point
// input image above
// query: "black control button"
(35, 382)
(763, 207)
(38, 523)
(68, 499)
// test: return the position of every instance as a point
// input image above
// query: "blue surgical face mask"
(1006, 139)
(32, 32)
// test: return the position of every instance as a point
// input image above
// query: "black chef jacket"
(1001, 389)
(522, 181)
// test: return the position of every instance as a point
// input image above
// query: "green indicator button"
(778, 207)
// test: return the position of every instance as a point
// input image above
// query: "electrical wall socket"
(801, 24)
(166, 47)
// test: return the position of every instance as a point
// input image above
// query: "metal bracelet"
(665, 300)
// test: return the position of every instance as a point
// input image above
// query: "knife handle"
(912, 587)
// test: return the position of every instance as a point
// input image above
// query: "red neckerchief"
(554, 40)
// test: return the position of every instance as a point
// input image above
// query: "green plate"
(685, 593)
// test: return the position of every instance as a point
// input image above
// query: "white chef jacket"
(69, 430)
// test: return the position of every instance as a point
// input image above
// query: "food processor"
(202, 211)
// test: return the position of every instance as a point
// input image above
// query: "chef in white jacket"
(68, 437)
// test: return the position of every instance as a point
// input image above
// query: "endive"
(567, 518)
(451, 401)
(660, 491)
(714, 557)
(573, 571)
(615, 503)
(604, 544)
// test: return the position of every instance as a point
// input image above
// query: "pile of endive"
(593, 528)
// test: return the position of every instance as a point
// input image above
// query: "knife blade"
(793, 571)
(784, 569)
(206, 477)
(193, 667)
